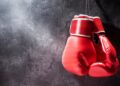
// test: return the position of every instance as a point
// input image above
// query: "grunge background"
(33, 34)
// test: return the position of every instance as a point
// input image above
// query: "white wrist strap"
(81, 35)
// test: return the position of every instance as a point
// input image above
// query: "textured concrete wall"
(33, 34)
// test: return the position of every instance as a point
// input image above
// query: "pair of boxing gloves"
(84, 56)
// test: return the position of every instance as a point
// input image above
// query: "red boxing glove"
(107, 62)
(79, 52)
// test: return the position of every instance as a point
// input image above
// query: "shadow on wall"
(108, 81)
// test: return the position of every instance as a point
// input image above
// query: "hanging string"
(87, 7)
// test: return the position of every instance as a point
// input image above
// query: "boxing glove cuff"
(98, 24)
(81, 27)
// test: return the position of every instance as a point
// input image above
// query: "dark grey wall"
(33, 34)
